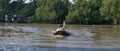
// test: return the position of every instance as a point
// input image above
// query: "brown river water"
(37, 37)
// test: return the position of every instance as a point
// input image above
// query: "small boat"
(62, 33)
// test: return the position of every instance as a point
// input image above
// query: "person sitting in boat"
(61, 27)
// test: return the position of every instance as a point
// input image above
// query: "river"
(38, 37)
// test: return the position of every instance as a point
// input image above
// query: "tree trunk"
(115, 21)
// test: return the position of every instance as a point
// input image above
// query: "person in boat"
(61, 27)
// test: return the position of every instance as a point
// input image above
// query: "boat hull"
(63, 33)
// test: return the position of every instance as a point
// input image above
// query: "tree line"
(56, 11)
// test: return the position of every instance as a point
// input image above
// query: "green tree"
(0, 8)
(4, 7)
(74, 15)
(15, 7)
(51, 11)
(85, 12)
(28, 10)
(111, 10)
(92, 12)
(21, 9)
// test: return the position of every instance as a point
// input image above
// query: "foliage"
(85, 12)
(56, 11)
(3, 7)
(51, 11)
(111, 10)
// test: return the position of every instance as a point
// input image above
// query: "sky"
(27, 1)
(71, 1)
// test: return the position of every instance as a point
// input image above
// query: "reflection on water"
(16, 36)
